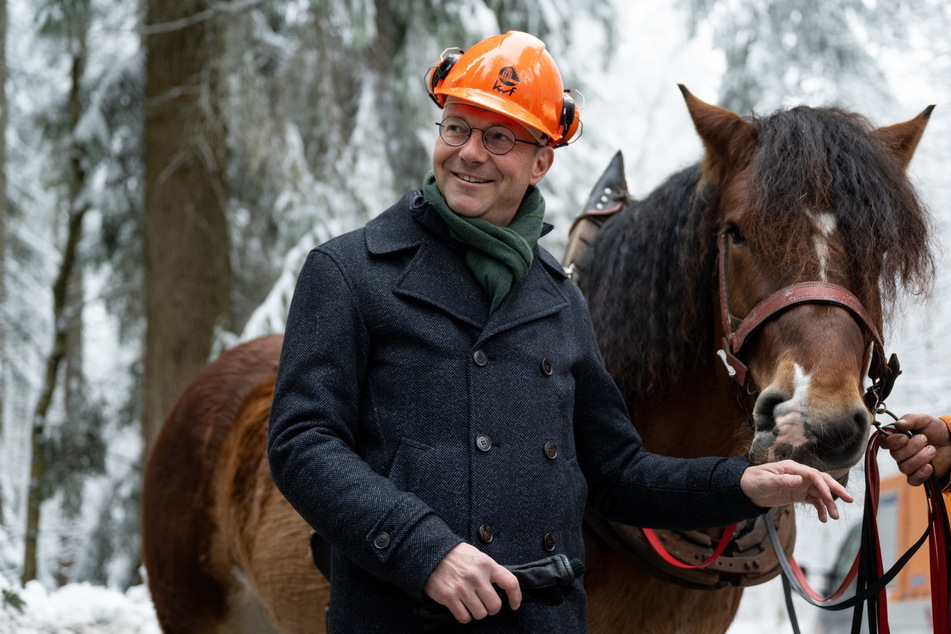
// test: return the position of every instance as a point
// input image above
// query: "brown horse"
(785, 218)
(806, 195)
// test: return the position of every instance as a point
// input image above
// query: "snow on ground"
(80, 609)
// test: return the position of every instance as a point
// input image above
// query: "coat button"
(483, 442)
(551, 450)
(381, 541)
(548, 542)
(485, 533)
(546, 367)
(480, 358)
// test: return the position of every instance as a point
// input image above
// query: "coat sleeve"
(312, 439)
(630, 485)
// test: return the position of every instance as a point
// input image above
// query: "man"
(441, 406)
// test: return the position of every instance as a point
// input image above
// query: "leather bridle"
(737, 331)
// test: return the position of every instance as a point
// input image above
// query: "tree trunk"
(61, 317)
(38, 444)
(66, 313)
(187, 265)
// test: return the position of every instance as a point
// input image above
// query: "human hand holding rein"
(926, 451)
(787, 481)
(463, 583)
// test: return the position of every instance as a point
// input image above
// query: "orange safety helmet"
(513, 75)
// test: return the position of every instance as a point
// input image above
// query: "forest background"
(166, 165)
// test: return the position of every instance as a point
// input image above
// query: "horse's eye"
(736, 236)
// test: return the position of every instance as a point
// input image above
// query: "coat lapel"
(439, 277)
(435, 275)
(535, 296)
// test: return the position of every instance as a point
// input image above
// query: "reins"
(867, 570)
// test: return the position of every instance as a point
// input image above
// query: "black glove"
(546, 581)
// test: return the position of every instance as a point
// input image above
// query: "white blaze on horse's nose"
(789, 414)
(825, 226)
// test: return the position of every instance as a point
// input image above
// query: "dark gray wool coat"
(407, 420)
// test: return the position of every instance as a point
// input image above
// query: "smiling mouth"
(472, 179)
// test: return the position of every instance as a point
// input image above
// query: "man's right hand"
(463, 583)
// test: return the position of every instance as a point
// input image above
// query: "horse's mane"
(650, 274)
(647, 277)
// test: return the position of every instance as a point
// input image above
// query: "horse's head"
(807, 201)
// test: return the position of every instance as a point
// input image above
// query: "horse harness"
(607, 198)
(689, 558)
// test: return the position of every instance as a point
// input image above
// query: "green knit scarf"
(497, 256)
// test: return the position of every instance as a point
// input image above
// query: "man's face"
(479, 184)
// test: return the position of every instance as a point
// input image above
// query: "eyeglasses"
(497, 139)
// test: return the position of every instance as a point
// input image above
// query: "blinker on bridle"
(736, 331)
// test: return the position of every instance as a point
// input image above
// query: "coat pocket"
(408, 464)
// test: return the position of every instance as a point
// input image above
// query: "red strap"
(666, 556)
(801, 577)
(947, 421)
(939, 559)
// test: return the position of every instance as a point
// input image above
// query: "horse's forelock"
(827, 159)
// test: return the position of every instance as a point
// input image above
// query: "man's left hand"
(787, 481)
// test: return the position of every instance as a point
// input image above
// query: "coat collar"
(395, 229)
(535, 296)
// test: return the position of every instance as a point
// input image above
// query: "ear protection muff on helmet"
(439, 72)
(570, 123)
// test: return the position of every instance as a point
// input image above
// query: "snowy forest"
(167, 164)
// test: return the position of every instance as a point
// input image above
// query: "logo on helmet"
(507, 77)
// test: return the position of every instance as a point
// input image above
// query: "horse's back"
(210, 512)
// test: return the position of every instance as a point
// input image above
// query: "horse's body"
(805, 195)
(224, 550)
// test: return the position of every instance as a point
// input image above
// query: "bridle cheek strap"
(737, 331)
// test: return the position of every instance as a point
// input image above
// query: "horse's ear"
(728, 138)
(902, 138)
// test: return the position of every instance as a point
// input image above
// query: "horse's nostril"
(764, 412)
(862, 419)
